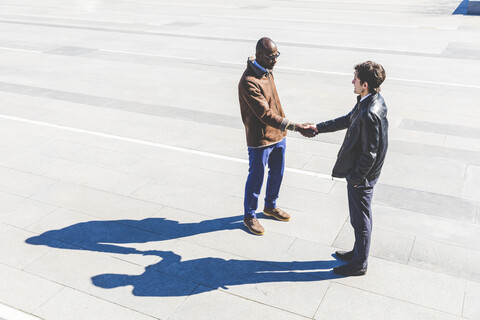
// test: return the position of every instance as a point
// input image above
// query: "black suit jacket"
(364, 148)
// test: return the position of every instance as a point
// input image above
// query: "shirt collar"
(256, 64)
(257, 68)
(365, 97)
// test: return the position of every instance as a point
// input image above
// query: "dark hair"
(372, 73)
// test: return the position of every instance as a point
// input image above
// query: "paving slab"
(445, 258)
(471, 156)
(23, 184)
(240, 242)
(319, 164)
(189, 199)
(478, 212)
(433, 290)
(101, 277)
(390, 279)
(471, 310)
(21, 212)
(23, 290)
(18, 253)
(313, 202)
(12, 313)
(458, 233)
(471, 144)
(28, 162)
(95, 202)
(451, 130)
(87, 155)
(386, 244)
(210, 304)
(95, 177)
(425, 202)
(65, 229)
(256, 280)
(85, 306)
(408, 179)
(471, 191)
(124, 161)
(415, 201)
(432, 139)
(431, 166)
(315, 183)
(316, 227)
(191, 177)
(366, 305)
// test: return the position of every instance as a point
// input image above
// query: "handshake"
(308, 129)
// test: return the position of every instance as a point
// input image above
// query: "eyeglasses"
(271, 58)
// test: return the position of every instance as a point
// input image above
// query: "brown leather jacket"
(262, 113)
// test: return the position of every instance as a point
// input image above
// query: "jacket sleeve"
(335, 124)
(257, 102)
(369, 143)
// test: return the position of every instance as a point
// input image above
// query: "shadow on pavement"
(172, 276)
(462, 8)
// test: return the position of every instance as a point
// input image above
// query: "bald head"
(265, 45)
(266, 53)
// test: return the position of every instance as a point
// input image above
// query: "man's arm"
(260, 107)
(369, 142)
(335, 124)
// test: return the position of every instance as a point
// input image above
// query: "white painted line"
(461, 85)
(337, 46)
(324, 22)
(9, 313)
(234, 62)
(24, 50)
(148, 54)
(159, 145)
(437, 83)
(191, 5)
(316, 71)
(70, 19)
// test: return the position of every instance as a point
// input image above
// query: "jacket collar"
(259, 70)
(367, 100)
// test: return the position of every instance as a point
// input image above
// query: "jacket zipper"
(273, 93)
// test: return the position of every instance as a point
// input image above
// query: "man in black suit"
(360, 159)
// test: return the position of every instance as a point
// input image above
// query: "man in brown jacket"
(265, 126)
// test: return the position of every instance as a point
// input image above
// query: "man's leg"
(276, 167)
(359, 201)
(258, 158)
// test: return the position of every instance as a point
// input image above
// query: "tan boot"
(254, 226)
(277, 213)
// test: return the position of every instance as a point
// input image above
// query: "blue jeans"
(274, 156)
(359, 202)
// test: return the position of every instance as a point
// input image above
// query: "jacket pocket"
(352, 129)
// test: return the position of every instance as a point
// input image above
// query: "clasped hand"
(308, 129)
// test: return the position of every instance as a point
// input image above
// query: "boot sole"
(276, 217)
(254, 232)
(355, 274)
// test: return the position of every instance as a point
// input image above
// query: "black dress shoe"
(344, 255)
(348, 270)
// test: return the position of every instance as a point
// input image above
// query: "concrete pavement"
(124, 161)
